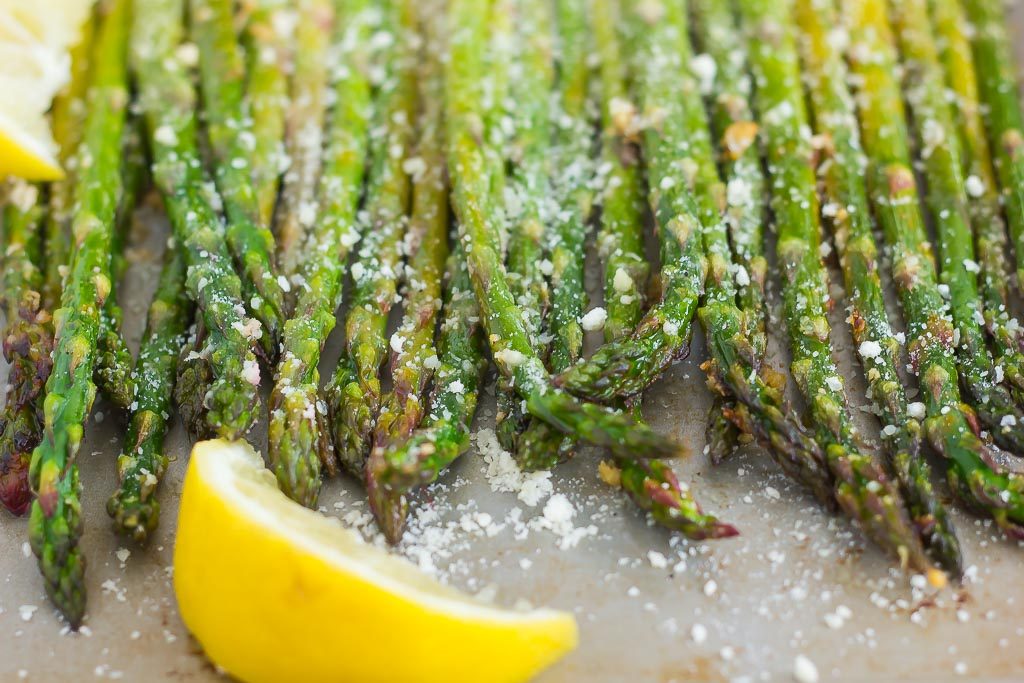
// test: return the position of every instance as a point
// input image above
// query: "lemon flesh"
(35, 40)
(275, 592)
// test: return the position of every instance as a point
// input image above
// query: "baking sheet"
(651, 605)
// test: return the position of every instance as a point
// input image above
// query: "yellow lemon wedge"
(35, 40)
(276, 592)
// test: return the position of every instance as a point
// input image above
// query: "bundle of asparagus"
(313, 130)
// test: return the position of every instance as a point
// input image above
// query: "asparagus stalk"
(354, 394)
(445, 432)
(950, 425)
(990, 238)
(620, 238)
(497, 105)
(413, 354)
(726, 84)
(846, 211)
(304, 132)
(652, 485)
(939, 148)
(168, 100)
(541, 446)
(133, 506)
(55, 524)
(298, 441)
(66, 118)
(509, 342)
(862, 488)
(529, 193)
(114, 363)
(266, 42)
(27, 342)
(229, 127)
(570, 186)
(995, 68)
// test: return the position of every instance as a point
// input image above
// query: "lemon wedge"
(35, 40)
(276, 592)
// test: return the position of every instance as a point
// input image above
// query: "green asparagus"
(354, 394)
(266, 45)
(529, 193)
(228, 124)
(445, 432)
(620, 238)
(413, 354)
(299, 438)
(862, 488)
(507, 336)
(982, 188)
(995, 68)
(846, 211)
(55, 524)
(725, 83)
(939, 149)
(168, 100)
(114, 362)
(950, 425)
(134, 506)
(304, 131)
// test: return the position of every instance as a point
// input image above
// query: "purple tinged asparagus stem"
(27, 341)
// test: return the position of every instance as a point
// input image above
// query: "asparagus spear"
(995, 68)
(354, 394)
(66, 118)
(529, 193)
(949, 424)
(55, 524)
(168, 100)
(444, 434)
(939, 148)
(265, 40)
(114, 362)
(726, 84)
(228, 125)
(298, 435)
(304, 132)
(413, 354)
(846, 211)
(661, 56)
(862, 489)
(990, 239)
(570, 186)
(497, 104)
(652, 485)
(134, 506)
(27, 342)
(620, 238)
(509, 342)
(541, 446)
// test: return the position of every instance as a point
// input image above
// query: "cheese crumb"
(594, 319)
(804, 670)
(622, 282)
(870, 349)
